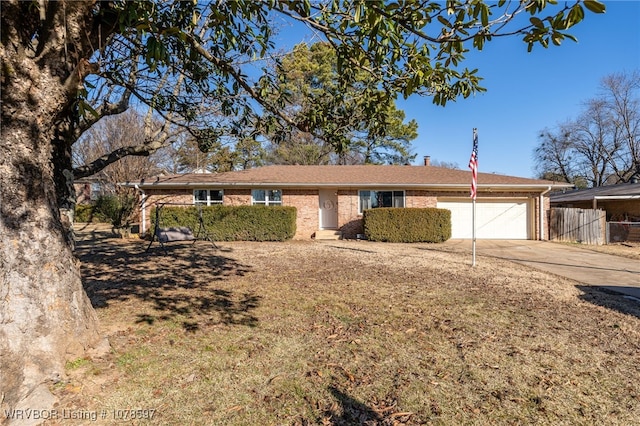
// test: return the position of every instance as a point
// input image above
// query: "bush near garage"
(234, 223)
(407, 225)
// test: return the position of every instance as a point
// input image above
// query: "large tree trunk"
(46, 317)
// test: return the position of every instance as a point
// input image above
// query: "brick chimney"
(427, 160)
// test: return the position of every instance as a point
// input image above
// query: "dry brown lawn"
(346, 332)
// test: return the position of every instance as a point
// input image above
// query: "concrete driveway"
(610, 272)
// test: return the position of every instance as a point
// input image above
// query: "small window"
(207, 197)
(266, 197)
(375, 199)
(96, 191)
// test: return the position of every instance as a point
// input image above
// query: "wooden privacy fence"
(585, 226)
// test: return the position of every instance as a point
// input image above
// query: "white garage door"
(503, 219)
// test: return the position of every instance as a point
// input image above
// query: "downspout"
(541, 213)
(143, 213)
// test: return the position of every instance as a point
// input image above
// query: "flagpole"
(473, 165)
(473, 236)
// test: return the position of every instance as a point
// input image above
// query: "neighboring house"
(621, 202)
(334, 197)
(83, 192)
(88, 190)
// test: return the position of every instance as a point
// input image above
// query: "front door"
(328, 199)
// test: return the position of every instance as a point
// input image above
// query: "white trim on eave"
(616, 197)
(462, 187)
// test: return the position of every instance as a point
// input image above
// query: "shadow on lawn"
(350, 411)
(187, 285)
(610, 299)
(353, 411)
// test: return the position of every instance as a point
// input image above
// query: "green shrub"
(407, 225)
(84, 213)
(116, 209)
(89, 213)
(234, 223)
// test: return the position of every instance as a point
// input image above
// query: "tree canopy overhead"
(188, 60)
(66, 64)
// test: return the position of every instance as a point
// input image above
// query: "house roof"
(610, 192)
(360, 176)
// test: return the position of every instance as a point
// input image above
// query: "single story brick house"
(334, 197)
(621, 202)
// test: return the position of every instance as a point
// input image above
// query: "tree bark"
(46, 317)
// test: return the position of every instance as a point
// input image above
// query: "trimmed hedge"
(407, 225)
(234, 223)
(86, 213)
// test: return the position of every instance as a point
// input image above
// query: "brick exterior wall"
(306, 203)
(349, 220)
(546, 208)
(420, 199)
(236, 197)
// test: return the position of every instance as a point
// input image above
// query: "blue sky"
(526, 92)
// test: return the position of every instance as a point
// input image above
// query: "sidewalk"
(613, 273)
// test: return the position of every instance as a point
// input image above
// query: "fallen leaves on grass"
(347, 333)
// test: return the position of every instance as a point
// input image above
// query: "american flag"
(473, 165)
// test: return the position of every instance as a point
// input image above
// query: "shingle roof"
(343, 176)
(621, 190)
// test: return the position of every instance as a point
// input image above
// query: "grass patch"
(309, 333)
(78, 363)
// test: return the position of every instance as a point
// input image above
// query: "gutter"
(463, 186)
(616, 197)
